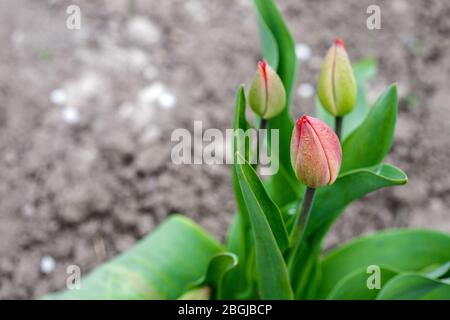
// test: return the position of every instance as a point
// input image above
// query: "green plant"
(274, 246)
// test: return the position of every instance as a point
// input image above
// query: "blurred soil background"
(86, 118)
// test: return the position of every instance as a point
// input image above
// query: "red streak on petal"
(319, 137)
(299, 124)
(339, 42)
(262, 64)
(301, 121)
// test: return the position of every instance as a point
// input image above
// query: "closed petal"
(330, 145)
(311, 165)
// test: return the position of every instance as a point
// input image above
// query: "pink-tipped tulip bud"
(337, 85)
(316, 153)
(267, 96)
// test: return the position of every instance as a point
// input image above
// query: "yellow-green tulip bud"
(337, 85)
(267, 96)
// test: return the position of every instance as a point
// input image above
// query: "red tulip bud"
(316, 152)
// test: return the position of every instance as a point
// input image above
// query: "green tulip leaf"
(238, 283)
(201, 293)
(307, 275)
(258, 201)
(368, 144)
(269, 44)
(287, 62)
(402, 250)
(414, 287)
(330, 201)
(270, 236)
(275, 35)
(240, 124)
(160, 266)
(361, 284)
(218, 267)
(363, 70)
(440, 272)
(239, 235)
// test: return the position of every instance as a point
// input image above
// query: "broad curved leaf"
(414, 287)
(159, 266)
(354, 285)
(331, 201)
(403, 250)
(440, 272)
(201, 293)
(218, 267)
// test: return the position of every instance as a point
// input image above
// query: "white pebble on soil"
(9, 156)
(150, 72)
(306, 90)
(157, 93)
(302, 51)
(150, 134)
(136, 58)
(143, 30)
(150, 94)
(126, 110)
(167, 100)
(18, 38)
(58, 96)
(28, 210)
(71, 115)
(47, 264)
(196, 10)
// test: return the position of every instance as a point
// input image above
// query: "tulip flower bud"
(337, 85)
(267, 96)
(316, 153)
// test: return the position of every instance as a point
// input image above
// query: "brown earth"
(86, 117)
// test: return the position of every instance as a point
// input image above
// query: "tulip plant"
(274, 246)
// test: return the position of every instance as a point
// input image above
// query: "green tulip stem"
(302, 222)
(338, 126)
(306, 208)
(262, 125)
